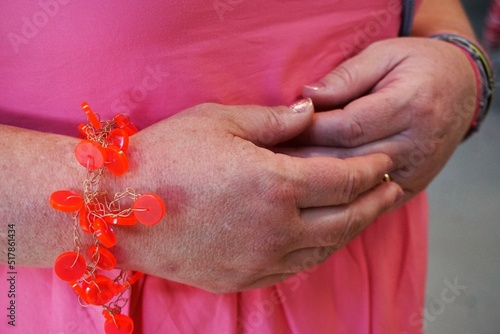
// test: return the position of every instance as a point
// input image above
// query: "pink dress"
(154, 60)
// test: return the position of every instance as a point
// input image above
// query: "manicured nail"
(302, 106)
(316, 86)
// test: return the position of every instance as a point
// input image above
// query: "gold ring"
(386, 178)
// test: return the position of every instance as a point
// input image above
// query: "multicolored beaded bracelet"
(103, 148)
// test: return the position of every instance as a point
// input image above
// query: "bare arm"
(442, 16)
(238, 215)
(32, 166)
(412, 98)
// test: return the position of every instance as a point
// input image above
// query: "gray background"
(464, 243)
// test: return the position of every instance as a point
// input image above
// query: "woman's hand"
(240, 216)
(410, 98)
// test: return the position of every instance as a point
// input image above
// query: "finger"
(333, 227)
(306, 258)
(329, 228)
(407, 155)
(409, 158)
(367, 119)
(405, 165)
(320, 182)
(394, 146)
(319, 151)
(269, 126)
(353, 78)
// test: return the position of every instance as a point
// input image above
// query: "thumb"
(269, 126)
(351, 79)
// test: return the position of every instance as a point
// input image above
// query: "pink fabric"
(155, 60)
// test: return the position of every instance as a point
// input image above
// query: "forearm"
(442, 16)
(33, 165)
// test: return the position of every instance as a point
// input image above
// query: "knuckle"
(210, 113)
(351, 133)
(275, 125)
(321, 254)
(271, 245)
(277, 188)
(423, 104)
(351, 187)
(342, 73)
(205, 108)
(352, 227)
(305, 259)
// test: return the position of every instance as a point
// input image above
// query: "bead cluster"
(103, 147)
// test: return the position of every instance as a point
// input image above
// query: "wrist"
(97, 212)
(483, 72)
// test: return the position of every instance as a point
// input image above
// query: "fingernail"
(316, 86)
(400, 195)
(302, 106)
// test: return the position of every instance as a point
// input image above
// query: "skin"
(239, 215)
(411, 98)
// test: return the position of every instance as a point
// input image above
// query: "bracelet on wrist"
(95, 213)
(484, 71)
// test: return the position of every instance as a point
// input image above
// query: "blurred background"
(464, 243)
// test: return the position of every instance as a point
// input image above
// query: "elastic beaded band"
(103, 148)
(484, 70)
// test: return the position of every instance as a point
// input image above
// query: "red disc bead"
(118, 137)
(83, 219)
(105, 259)
(104, 233)
(149, 209)
(123, 122)
(82, 128)
(100, 290)
(121, 324)
(66, 201)
(79, 290)
(92, 117)
(116, 160)
(70, 266)
(90, 154)
(119, 220)
(135, 277)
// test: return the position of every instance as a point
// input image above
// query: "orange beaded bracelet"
(103, 148)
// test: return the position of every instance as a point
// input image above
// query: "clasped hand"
(410, 98)
(240, 215)
(243, 213)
